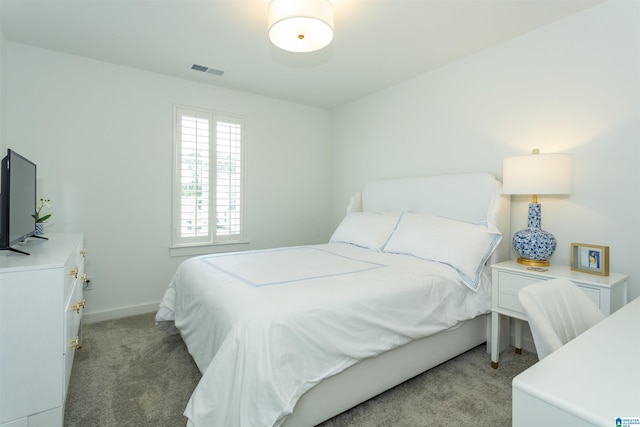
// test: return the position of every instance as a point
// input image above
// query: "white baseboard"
(119, 313)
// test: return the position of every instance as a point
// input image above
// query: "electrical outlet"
(88, 284)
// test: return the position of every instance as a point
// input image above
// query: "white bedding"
(265, 326)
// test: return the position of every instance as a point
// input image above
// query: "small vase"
(39, 227)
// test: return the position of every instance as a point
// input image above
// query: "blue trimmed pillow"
(365, 229)
(462, 245)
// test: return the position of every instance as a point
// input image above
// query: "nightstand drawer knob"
(74, 272)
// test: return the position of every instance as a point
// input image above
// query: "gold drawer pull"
(84, 277)
(74, 272)
(76, 343)
(77, 306)
(83, 252)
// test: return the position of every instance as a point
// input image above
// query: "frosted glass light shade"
(537, 174)
(300, 25)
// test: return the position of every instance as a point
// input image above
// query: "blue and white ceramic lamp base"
(534, 245)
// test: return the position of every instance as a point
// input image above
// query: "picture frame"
(592, 259)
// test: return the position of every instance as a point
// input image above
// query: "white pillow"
(462, 245)
(365, 229)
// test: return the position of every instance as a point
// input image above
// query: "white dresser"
(40, 322)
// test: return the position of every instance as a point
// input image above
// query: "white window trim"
(213, 243)
(203, 249)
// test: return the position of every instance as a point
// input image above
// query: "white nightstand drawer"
(593, 294)
(510, 285)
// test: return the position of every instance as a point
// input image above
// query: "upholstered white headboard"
(471, 197)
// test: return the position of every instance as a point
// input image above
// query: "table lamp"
(536, 174)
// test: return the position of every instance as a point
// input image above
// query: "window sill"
(209, 248)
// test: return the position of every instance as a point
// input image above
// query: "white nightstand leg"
(495, 339)
(518, 331)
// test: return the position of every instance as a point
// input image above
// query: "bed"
(294, 336)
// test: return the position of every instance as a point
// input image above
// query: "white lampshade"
(537, 174)
(300, 25)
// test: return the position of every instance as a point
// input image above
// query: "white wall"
(573, 86)
(101, 135)
(3, 44)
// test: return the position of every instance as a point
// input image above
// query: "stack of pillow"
(464, 246)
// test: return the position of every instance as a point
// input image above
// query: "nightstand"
(609, 293)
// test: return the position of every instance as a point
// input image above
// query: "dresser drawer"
(71, 273)
(73, 319)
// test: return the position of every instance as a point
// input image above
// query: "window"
(207, 191)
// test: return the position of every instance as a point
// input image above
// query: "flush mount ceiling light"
(300, 25)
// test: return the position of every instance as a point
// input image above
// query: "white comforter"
(265, 326)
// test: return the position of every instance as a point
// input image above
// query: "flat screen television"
(17, 200)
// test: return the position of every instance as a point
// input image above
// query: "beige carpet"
(129, 373)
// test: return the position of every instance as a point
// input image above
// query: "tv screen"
(18, 195)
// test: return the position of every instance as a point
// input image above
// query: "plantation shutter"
(228, 177)
(202, 140)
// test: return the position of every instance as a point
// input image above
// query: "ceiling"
(377, 43)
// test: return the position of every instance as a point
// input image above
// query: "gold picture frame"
(592, 259)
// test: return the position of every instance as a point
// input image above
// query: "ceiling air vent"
(207, 70)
